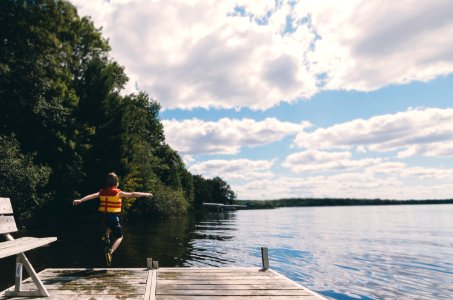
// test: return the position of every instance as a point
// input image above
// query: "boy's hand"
(76, 202)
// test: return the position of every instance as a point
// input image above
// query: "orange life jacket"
(110, 202)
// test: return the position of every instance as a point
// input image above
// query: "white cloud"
(200, 54)
(321, 161)
(419, 131)
(235, 169)
(345, 185)
(226, 136)
(439, 149)
(339, 164)
(206, 53)
(426, 173)
(365, 45)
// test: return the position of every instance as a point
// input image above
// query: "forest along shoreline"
(301, 202)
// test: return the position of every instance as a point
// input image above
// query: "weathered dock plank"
(230, 292)
(274, 286)
(92, 283)
(170, 284)
(209, 270)
(237, 298)
(227, 283)
(215, 282)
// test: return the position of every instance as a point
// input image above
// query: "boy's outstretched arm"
(134, 194)
(86, 198)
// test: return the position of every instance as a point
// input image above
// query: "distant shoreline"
(301, 202)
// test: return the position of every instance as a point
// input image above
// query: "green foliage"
(46, 50)
(165, 202)
(22, 180)
(202, 191)
(170, 167)
(221, 191)
(188, 186)
(214, 190)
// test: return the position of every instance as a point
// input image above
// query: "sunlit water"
(360, 252)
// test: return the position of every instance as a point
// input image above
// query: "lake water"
(359, 252)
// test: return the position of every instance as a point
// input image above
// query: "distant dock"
(169, 284)
(221, 207)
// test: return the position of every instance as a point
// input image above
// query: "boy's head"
(111, 180)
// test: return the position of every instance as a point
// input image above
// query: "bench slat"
(5, 206)
(20, 245)
(7, 224)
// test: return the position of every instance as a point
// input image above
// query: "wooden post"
(155, 265)
(149, 263)
(265, 258)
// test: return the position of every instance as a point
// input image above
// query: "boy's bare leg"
(116, 243)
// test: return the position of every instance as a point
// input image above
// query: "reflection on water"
(373, 252)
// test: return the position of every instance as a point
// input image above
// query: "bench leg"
(22, 260)
(18, 284)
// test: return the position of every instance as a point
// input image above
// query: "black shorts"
(113, 222)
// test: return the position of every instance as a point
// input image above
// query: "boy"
(110, 205)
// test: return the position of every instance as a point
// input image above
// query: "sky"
(287, 99)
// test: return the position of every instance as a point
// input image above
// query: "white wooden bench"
(17, 247)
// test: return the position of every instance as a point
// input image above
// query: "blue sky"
(297, 98)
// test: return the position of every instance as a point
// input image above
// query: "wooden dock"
(169, 284)
(219, 207)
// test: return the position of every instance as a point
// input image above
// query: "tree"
(221, 191)
(202, 191)
(188, 186)
(45, 51)
(22, 180)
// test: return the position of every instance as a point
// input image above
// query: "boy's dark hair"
(111, 179)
